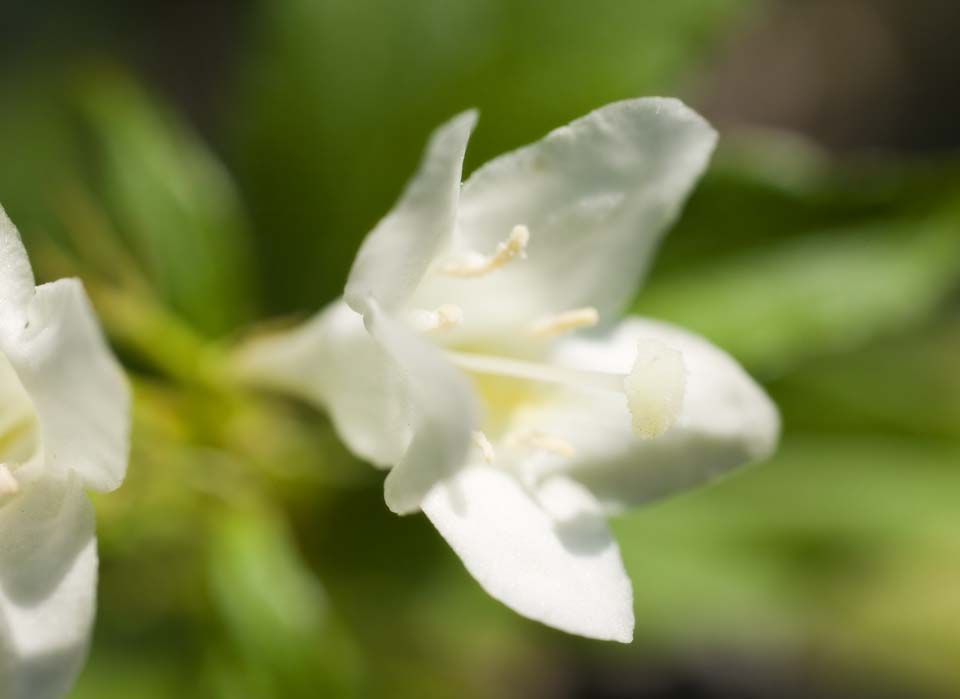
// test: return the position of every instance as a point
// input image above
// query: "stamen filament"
(565, 322)
(545, 442)
(486, 448)
(514, 246)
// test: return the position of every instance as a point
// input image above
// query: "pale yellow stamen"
(8, 483)
(655, 388)
(514, 246)
(545, 442)
(449, 316)
(565, 322)
(486, 448)
(445, 317)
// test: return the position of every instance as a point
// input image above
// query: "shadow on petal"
(585, 534)
(45, 528)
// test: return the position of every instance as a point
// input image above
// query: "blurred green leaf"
(765, 186)
(276, 614)
(825, 292)
(337, 101)
(36, 142)
(173, 201)
(908, 384)
(809, 548)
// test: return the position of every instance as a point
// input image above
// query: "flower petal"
(334, 363)
(78, 391)
(16, 275)
(596, 196)
(17, 419)
(442, 412)
(395, 255)
(48, 571)
(725, 419)
(546, 554)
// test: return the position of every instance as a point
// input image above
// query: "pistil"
(654, 388)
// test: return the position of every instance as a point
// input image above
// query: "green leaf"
(826, 292)
(846, 542)
(173, 202)
(276, 614)
(339, 98)
(909, 384)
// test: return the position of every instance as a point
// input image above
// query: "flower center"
(653, 393)
(510, 388)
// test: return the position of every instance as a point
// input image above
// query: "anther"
(480, 265)
(445, 317)
(655, 388)
(565, 322)
(8, 484)
(545, 442)
(486, 448)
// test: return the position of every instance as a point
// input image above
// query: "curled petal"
(546, 554)
(441, 411)
(78, 391)
(596, 197)
(16, 277)
(392, 396)
(395, 255)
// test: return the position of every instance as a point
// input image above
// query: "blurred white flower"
(476, 355)
(64, 421)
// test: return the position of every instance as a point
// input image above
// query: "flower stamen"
(545, 442)
(8, 483)
(445, 317)
(486, 448)
(560, 323)
(481, 265)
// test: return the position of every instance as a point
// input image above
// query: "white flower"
(64, 420)
(460, 360)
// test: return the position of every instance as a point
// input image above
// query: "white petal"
(395, 255)
(596, 196)
(725, 419)
(441, 412)
(48, 571)
(16, 275)
(547, 555)
(18, 435)
(78, 391)
(334, 363)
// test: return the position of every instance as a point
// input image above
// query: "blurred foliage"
(362, 84)
(248, 555)
(175, 203)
